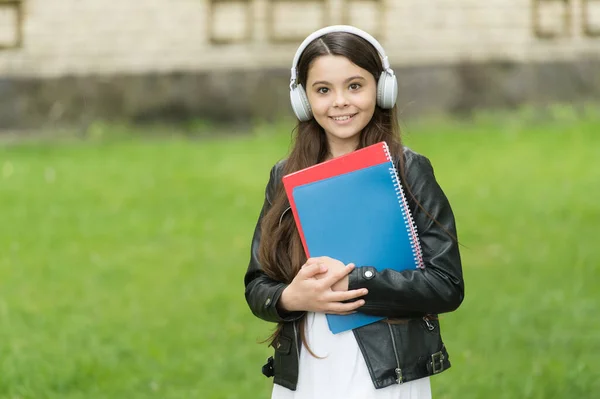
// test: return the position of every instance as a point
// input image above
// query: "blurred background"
(136, 139)
(68, 61)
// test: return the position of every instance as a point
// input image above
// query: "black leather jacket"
(409, 348)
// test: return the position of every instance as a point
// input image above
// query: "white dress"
(343, 372)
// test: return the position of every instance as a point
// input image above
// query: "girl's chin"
(342, 135)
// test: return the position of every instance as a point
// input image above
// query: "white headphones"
(387, 86)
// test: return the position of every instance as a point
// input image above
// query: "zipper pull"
(430, 326)
(398, 376)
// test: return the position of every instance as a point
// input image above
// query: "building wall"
(46, 45)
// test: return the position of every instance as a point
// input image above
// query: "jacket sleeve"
(262, 292)
(439, 287)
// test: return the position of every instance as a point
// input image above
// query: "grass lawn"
(122, 260)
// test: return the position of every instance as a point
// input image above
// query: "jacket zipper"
(296, 343)
(398, 370)
(430, 326)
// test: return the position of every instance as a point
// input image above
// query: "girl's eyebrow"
(324, 82)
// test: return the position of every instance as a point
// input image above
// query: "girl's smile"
(343, 119)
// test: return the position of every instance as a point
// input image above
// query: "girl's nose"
(340, 100)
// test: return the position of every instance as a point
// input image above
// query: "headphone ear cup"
(387, 90)
(300, 104)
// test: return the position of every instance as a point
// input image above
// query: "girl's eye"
(322, 90)
(354, 86)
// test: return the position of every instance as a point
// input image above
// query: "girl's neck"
(339, 149)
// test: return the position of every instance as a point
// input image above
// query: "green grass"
(122, 260)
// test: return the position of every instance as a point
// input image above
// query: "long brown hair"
(280, 252)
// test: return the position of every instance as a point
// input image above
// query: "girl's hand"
(307, 292)
(333, 265)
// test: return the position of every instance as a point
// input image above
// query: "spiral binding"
(408, 219)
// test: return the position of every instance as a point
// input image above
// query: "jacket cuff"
(360, 276)
(273, 308)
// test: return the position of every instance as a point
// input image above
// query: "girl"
(344, 97)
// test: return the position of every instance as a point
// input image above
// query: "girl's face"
(342, 96)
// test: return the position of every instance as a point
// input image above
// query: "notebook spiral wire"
(408, 219)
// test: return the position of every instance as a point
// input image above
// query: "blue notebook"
(359, 217)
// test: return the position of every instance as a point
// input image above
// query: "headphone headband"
(338, 28)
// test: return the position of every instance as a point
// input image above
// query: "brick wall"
(81, 37)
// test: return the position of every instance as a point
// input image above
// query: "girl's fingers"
(312, 270)
(339, 308)
(312, 261)
(342, 296)
(344, 313)
(339, 274)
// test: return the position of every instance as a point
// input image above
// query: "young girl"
(344, 97)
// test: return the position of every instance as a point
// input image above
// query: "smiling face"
(342, 96)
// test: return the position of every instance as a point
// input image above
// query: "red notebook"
(363, 158)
